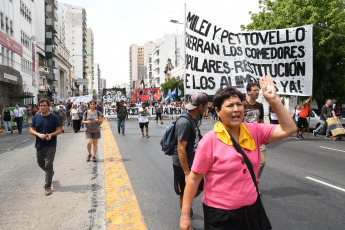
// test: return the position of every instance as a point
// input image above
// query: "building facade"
(74, 25)
(98, 82)
(169, 47)
(139, 57)
(90, 60)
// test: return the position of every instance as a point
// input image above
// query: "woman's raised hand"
(268, 88)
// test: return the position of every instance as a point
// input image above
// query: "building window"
(11, 28)
(12, 59)
(25, 12)
(2, 20)
(7, 57)
(7, 26)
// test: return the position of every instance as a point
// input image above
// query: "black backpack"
(168, 141)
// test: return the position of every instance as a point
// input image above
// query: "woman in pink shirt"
(230, 196)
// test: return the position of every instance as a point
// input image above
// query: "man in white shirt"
(144, 119)
(18, 113)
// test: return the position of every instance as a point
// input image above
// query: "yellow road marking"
(122, 208)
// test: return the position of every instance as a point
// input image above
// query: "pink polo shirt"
(228, 184)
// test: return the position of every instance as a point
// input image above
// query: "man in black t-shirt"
(327, 111)
(254, 112)
(45, 126)
(187, 141)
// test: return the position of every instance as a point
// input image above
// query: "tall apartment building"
(18, 79)
(74, 25)
(90, 59)
(169, 47)
(138, 62)
(98, 83)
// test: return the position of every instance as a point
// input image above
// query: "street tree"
(328, 18)
(173, 83)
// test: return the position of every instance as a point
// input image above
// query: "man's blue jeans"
(121, 123)
(8, 126)
(322, 124)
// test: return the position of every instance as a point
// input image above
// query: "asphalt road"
(292, 201)
(77, 201)
(303, 184)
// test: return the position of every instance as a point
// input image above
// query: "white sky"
(116, 24)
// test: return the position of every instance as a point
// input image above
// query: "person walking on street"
(122, 115)
(68, 112)
(46, 126)
(158, 110)
(229, 158)
(187, 135)
(254, 112)
(211, 111)
(75, 118)
(93, 119)
(53, 109)
(295, 113)
(82, 109)
(144, 119)
(7, 117)
(99, 107)
(61, 113)
(327, 111)
(18, 114)
(302, 119)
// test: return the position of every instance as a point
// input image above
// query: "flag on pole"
(169, 93)
(179, 92)
(174, 92)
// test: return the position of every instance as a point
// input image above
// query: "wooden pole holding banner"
(184, 80)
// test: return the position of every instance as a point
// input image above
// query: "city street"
(303, 184)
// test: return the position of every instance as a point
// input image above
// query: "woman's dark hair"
(223, 94)
(44, 100)
(92, 102)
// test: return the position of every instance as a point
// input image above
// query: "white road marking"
(324, 183)
(332, 149)
(25, 140)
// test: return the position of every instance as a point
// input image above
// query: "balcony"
(43, 70)
(42, 87)
(53, 64)
(51, 76)
(53, 3)
(51, 25)
(50, 13)
(51, 39)
(51, 51)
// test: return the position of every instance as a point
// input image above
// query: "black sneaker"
(314, 133)
(297, 137)
(327, 137)
(301, 137)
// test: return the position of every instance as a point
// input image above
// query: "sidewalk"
(77, 201)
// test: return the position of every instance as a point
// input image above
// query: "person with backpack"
(187, 136)
(93, 119)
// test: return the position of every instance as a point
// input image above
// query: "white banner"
(217, 58)
(133, 112)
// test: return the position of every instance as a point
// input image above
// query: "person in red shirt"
(302, 119)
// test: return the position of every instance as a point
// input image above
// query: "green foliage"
(328, 18)
(173, 83)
